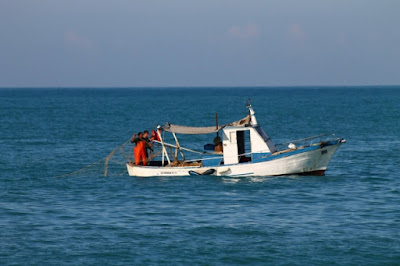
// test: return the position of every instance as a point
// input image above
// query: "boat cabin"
(242, 141)
(242, 144)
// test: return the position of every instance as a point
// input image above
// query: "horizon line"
(199, 87)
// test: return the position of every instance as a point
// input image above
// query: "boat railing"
(305, 142)
(217, 157)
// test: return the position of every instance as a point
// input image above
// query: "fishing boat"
(245, 149)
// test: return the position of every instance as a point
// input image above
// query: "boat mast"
(253, 119)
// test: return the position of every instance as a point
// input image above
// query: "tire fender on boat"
(207, 172)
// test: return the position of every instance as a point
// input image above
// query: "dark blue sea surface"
(49, 216)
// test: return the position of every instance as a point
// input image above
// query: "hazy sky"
(128, 43)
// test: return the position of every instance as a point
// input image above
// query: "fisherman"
(136, 139)
(217, 144)
(148, 142)
(140, 150)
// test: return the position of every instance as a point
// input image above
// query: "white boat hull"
(313, 161)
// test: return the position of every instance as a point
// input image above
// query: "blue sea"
(52, 214)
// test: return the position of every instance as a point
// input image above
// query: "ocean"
(52, 214)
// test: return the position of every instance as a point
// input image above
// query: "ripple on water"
(349, 216)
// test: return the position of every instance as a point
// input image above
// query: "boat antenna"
(248, 104)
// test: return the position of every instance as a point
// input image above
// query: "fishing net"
(123, 155)
(112, 165)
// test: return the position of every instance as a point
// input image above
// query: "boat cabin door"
(234, 142)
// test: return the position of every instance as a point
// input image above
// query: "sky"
(183, 43)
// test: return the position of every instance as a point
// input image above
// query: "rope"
(154, 155)
(80, 170)
(124, 154)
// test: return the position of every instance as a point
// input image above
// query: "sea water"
(49, 216)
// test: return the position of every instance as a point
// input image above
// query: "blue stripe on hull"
(269, 157)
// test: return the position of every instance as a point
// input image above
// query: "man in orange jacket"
(140, 150)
